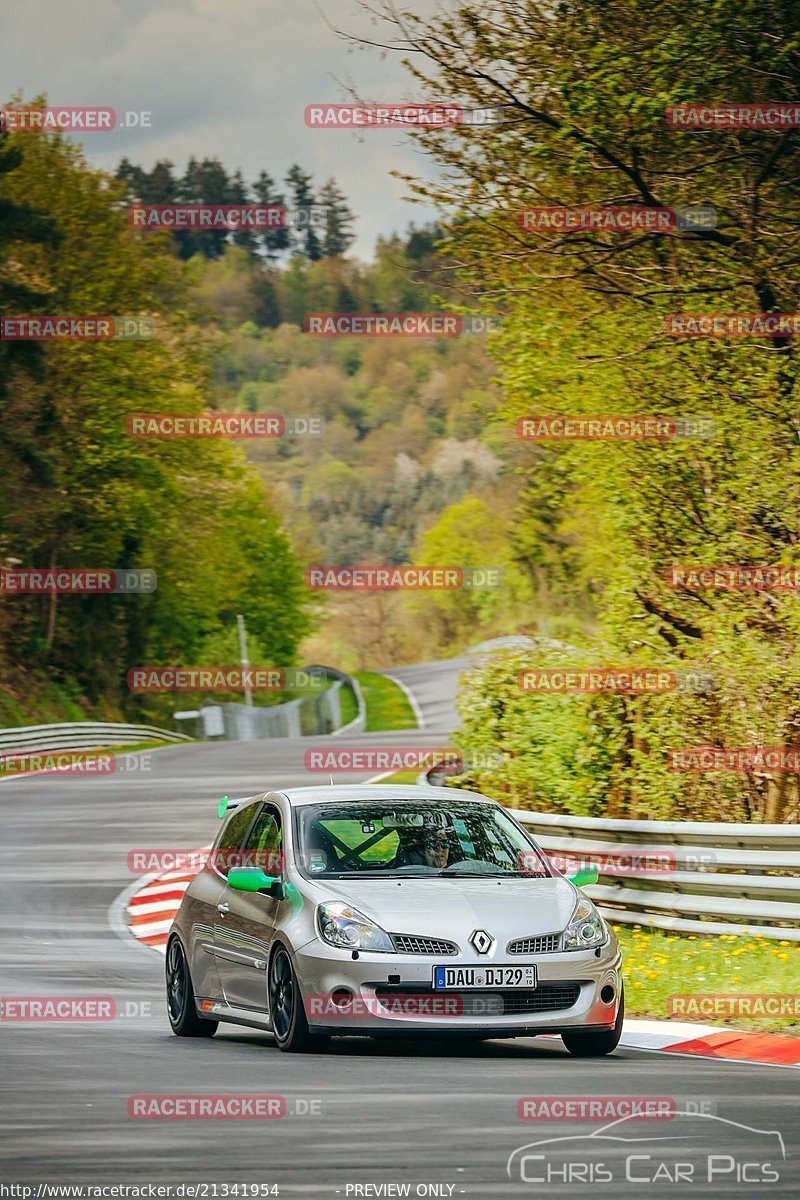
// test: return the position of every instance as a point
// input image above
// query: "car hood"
(454, 908)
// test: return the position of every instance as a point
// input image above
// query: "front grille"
(408, 943)
(547, 997)
(547, 943)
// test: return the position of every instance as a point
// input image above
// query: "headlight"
(586, 929)
(348, 929)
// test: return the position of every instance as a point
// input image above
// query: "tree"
(158, 186)
(338, 218)
(79, 491)
(20, 225)
(272, 241)
(583, 89)
(469, 536)
(305, 239)
(206, 182)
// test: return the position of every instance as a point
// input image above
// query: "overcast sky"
(226, 79)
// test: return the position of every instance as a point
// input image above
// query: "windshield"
(411, 838)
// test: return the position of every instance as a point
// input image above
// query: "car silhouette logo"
(701, 1141)
(482, 941)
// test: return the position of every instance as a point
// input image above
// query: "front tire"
(594, 1043)
(181, 1008)
(286, 1009)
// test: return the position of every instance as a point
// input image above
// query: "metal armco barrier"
(81, 735)
(305, 717)
(689, 876)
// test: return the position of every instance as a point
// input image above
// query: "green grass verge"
(44, 703)
(400, 777)
(349, 704)
(387, 704)
(658, 964)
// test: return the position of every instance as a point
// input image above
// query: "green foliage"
(660, 965)
(554, 756)
(78, 491)
(584, 89)
(322, 228)
(471, 534)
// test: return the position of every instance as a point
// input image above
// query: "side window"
(264, 846)
(226, 853)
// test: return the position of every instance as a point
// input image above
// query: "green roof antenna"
(222, 807)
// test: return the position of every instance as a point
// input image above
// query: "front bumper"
(393, 993)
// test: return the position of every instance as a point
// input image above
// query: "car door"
(205, 894)
(244, 930)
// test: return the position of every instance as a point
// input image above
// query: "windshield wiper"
(476, 875)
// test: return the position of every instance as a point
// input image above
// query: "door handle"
(222, 909)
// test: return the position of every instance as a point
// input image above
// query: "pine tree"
(338, 218)
(305, 239)
(205, 182)
(271, 241)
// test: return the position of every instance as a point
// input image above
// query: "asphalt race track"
(368, 1113)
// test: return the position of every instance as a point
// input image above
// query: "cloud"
(227, 81)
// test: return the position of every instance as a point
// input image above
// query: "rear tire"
(594, 1043)
(286, 1009)
(181, 1007)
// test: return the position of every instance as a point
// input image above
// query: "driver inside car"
(436, 849)
(433, 848)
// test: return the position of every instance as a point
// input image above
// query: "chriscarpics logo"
(696, 1149)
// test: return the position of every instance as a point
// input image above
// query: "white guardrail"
(80, 735)
(690, 876)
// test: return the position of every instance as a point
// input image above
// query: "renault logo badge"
(482, 941)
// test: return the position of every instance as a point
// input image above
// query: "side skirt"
(218, 1010)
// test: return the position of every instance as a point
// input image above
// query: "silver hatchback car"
(402, 911)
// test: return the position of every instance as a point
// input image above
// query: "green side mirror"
(585, 877)
(222, 807)
(253, 879)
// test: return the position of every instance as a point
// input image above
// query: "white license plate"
(455, 978)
